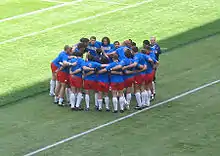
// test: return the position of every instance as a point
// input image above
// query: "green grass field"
(188, 30)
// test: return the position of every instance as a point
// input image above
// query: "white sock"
(78, 99)
(154, 87)
(128, 98)
(56, 98)
(121, 102)
(115, 103)
(87, 100)
(106, 102)
(100, 103)
(138, 98)
(68, 93)
(72, 100)
(52, 86)
(60, 100)
(143, 97)
(96, 100)
(149, 97)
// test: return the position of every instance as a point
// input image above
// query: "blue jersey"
(150, 64)
(63, 56)
(92, 47)
(104, 77)
(80, 64)
(121, 52)
(115, 78)
(140, 59)
(126, 62)
(107, 48)
(91, 64)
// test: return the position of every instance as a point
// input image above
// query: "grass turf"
(34, 122)
(33, 54)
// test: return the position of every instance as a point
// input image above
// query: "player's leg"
(128, 97)
(68, 93)
(121, 100)
(61, 93)
(53, 80)
(115, 101)
(100, 101)
(73, 98)
(57, 91)
(137, 89)
(96, 100)
(79, 99)
(106, 98)
(87, 99)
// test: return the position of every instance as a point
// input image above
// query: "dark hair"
(106, 38)
(133, 44)
(81, 45)
(148, 48)
(104, 60)
(143, 51)
(116, 42)
(128, 53)
(146, 42)
(66, 47)
(92, 38)
(78, 54)
(115, 57)
(99, 51)
(84, 40)
(134, 49)
(90, 57)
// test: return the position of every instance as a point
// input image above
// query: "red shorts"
(149, 78)
(90, 85)
(62, 77)
(75, 81)
(128, 82)
(102, 87)
(53, 67)
(117, 86)
(139, 79)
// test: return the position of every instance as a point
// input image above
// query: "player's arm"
(89, 73)
(130, 66)
(76, 71)
(102, 71)
(117, 72)
(117, 67)
(85, 68)
(111, 53)
(143, 69)
(70, 57)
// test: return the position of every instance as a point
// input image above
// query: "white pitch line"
(111, 2)
(54, 1)
(38, 11)
(122, 118)
(74, 22)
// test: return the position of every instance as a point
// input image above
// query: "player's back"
(60, 58)
(79, 65)
(91, 64)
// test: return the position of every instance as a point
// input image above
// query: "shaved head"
(153, 40)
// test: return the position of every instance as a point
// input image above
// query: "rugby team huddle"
(100, 68)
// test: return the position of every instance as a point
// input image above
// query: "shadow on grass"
(171, 43)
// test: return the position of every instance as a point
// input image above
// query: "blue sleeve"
(155, 61)
(136, 60)
(64, 57)
(99, 44)
(97, 65)
(110, 66)
(122, 63)
(112, 46)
